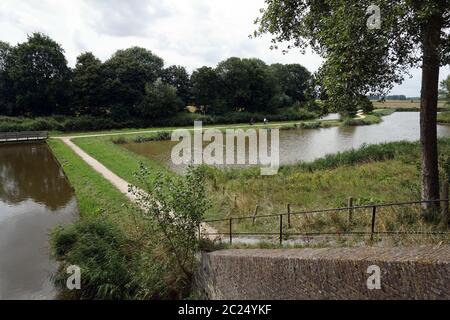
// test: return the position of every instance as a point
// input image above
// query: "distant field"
(399, 104)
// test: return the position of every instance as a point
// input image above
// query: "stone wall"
(332, 273)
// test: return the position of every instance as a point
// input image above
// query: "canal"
(35, 197)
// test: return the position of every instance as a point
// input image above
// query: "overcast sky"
(192, 33)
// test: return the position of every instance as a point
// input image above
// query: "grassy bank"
(119, 255)
(371, 175)
(444, 118)
(410, 105)
(94, 124)
(79, 126)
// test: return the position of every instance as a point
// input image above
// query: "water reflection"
(34, 198)
(29, 171)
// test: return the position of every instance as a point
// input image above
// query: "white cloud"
(192, 33)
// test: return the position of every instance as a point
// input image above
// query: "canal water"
(35, 197)
(310, 144)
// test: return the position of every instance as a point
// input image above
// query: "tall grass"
(373, 174)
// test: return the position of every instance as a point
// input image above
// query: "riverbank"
(111, 242)
(110, 236)
(444, 118)
(373, 174)
(406, 105)
(370, 175)
(63, 126)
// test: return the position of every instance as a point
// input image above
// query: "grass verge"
(118, 254)
(444, 118)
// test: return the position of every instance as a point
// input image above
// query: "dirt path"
(118, 182)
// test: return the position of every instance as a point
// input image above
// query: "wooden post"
(281, 229)
(255, 214)
(231, 231)
(289, 215)
(444, 204)
(350, 210)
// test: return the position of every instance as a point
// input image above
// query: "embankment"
(421, 272)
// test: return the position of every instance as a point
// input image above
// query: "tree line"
(35, 80)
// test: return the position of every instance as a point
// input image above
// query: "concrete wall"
(335, 273)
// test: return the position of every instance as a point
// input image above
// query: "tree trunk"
(428, 114)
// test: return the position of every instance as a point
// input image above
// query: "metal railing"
(282, 234)
(23, 136)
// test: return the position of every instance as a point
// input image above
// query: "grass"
(119, 160)
(406, 104)
(444, 118)
(374, 174)
(151, 131)
(95, 195)
(366, 121)
(117, 251)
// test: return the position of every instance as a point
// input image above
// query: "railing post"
(289, 215)
(281, 229)
(255, 213)
(350, 210)
(231, 231)
(374, 213)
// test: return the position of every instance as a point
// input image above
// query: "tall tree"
(160, 100)
(362, 60)
(5, 84)
(88, 85)
(178, 77)
(247, 84)
(293, 79)
(40, 76)
(207, 90)
(128, 71)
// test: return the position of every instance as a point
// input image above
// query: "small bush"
(119, 140)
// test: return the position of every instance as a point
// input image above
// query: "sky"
(192, 33)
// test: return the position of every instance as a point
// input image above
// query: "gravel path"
(118, 182)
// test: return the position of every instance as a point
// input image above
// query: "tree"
(40, 77)
(5, 83)
(207, 90)
(128, 71)
(160, 100)
(360, 60)
(293, 80)
(174, 207)
(247, 84)
(178, 77)
(88, 85)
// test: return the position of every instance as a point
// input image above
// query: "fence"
(399, 218)
(23, 136)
